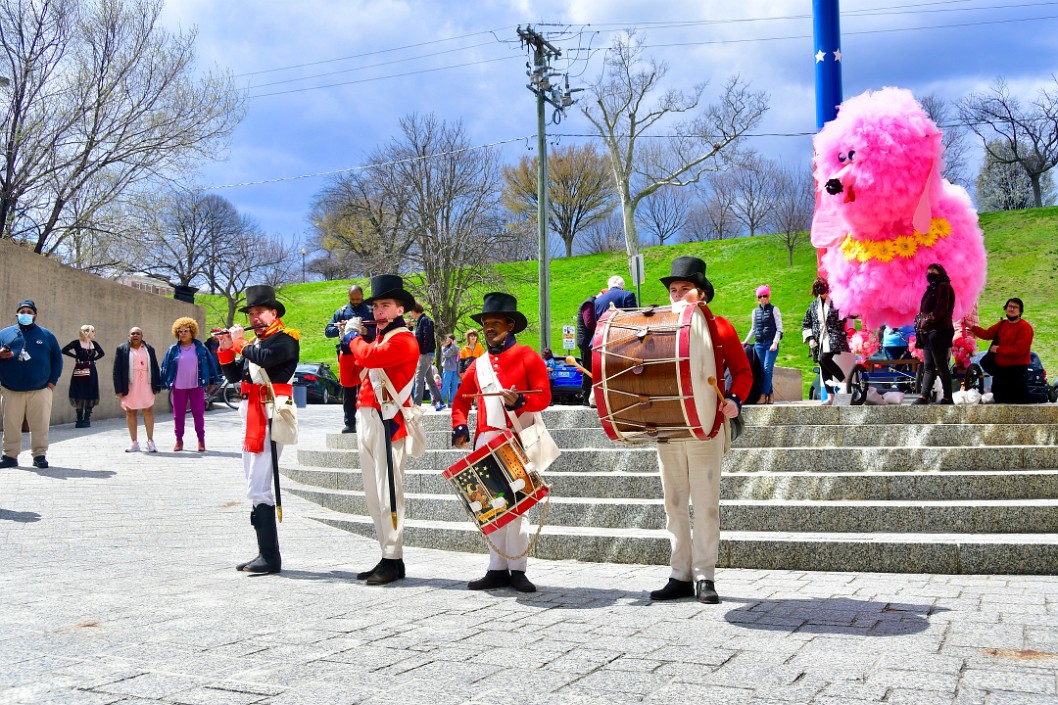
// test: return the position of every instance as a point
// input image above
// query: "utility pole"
(540, 74)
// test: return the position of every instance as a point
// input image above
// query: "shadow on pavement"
(71, 473)
(20, 517)
(832, 616)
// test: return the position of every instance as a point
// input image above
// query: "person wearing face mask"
(1008, 359)
(507, 370)
(136, 382)
(274, 350)
(187, 369)
(934, 332)
(690, 469)
(388, 430)
(30, 365)
(84, 385)
(823, 329)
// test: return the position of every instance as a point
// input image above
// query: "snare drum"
(650, 373)
(496, 484)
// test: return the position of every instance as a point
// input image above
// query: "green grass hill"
(1022, 261)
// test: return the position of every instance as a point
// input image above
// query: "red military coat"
(396, 351)
(517, 366)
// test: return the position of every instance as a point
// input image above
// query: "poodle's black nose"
(834, 187)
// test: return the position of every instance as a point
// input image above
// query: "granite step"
(1005, 484)
(993, 516)
(1014, 554)
(817, 436)
(824, 460)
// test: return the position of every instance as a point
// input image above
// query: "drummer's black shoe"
(706, 592)
(6, 461)
(521, 583)
(493, 579)
(388, 571)
(673, 590)
(368, 573)
(943, 402)
(921, 400)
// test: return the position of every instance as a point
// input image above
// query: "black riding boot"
(263, 518)
(87, 416)
(80, 418)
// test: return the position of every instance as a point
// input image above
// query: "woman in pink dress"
(136, 381)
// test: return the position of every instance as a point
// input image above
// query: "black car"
(323, 386)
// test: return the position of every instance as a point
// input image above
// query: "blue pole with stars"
(828, 60)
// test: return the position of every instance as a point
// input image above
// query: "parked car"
(323, 386)
(565, 382)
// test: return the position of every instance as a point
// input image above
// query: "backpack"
(586, 322)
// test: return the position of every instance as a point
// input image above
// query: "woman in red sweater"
(1012, 343)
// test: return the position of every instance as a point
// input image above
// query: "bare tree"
(1004, 186)
(452, 213)
(617, 110)
(250, 254)
(361, 222)
(754, 184)
(664, 214)
(101, 98)
(956, 148)
(714, 218)
(580, 190)
(1028, 134)
(607, 235)
(791, 217)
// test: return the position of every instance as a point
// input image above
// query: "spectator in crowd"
(449, 369)
(136, 381)
(30, 365)
(188, 368)
(934, 332)
(765, 331)
(84, 383)
(356, 308)
(588, 315)
(1008, 355)
(424, 334)
(549, 359)
(824, 330)
(471, 351)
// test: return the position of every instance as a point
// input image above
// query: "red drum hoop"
(650, 368)
(495, 484)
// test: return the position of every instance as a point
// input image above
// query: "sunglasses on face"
(763, 296)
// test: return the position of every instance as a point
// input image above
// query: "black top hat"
(499, 304)
(390, 286)
(263, 295)
(690, 269)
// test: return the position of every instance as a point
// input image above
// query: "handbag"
(284, 424)
(82, 369)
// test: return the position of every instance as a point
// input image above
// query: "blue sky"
(328, 81)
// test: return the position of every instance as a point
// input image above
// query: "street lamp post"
(303, 253)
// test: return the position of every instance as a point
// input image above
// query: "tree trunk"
(1037, 194)
(631, 234)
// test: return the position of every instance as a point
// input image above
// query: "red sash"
(256, 418)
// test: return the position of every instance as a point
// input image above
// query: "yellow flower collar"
(900, 246)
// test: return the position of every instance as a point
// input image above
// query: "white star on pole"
(837, 55)
(820, 56)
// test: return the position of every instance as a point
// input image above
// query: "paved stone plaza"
(118, 586)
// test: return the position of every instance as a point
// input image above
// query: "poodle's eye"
(841, 157)
(852, 153)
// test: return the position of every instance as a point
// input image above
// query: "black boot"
(673, 590)
(387, 571)
(492, 579)
(88, 417)
(521, 583)
(253, 523)
(264, 522)
(80, 419)
(368, 573)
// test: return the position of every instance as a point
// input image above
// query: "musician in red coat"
(387, 365)
(512, 369)
(690, 469)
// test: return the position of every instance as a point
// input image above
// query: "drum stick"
(500, 394)
(716, 388)
(570, 360)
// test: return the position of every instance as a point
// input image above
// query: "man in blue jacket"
(356, 308)
(30, 365)
(424, 333)
(614, 293)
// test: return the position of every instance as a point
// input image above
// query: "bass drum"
(654, 371)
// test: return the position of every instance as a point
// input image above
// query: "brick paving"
(117, 586)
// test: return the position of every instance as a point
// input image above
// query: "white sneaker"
(151, 448)
(134, 448)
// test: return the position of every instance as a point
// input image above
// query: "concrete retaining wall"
(68, 298)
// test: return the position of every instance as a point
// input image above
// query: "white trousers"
(513, 538)
(258, 468)
(690, 474)
(35, 408)
(371, 442)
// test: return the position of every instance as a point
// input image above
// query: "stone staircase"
(882, 489)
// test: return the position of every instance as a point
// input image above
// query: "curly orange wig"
(185, 322)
